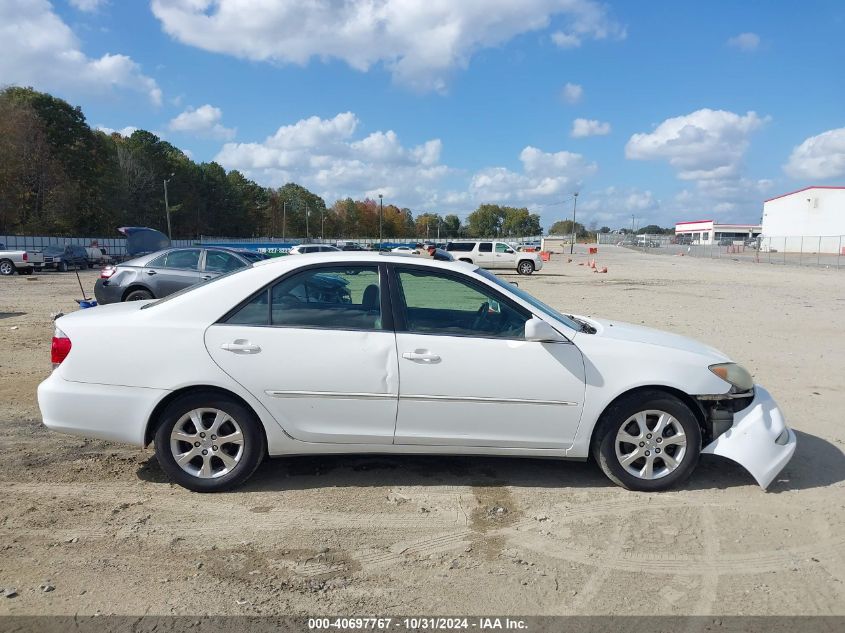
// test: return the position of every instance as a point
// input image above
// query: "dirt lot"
(382, 535)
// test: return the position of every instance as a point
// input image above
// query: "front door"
(503, 256)
(468, 377)
(314, 349)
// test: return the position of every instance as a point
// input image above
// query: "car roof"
(370, 257)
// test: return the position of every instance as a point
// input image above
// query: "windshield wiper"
(584, 326)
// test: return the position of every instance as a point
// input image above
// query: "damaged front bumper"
(758, 440)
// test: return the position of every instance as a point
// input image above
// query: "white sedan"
(380, 353)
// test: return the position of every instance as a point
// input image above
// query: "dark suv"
(162, 273)
(65, 256)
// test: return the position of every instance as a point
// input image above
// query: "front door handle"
(206, 277)
(241, 346)
(421, 357)
(151, 272)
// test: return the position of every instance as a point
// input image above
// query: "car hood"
(620, 330)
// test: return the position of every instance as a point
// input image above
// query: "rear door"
(485, 255)
(314, 348)
(173, 271)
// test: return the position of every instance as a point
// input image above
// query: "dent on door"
(320, 385)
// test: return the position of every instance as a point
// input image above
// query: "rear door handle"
(421, 357)
(241, 346)
(206, 277)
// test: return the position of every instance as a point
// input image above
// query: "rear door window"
(485, 247)
(339, 298)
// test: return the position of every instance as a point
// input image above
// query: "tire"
(243, 458)
(681, 434)
(139, 295)
(25, 271)
(62, 267)
(7, 267)
(90, 265)
(525, 267)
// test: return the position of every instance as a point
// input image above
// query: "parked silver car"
(162, 273)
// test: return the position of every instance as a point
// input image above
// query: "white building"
(809, 220)
(712, 232)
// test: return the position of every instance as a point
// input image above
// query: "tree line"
(58, 176)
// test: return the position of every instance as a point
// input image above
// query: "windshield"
(533, 301)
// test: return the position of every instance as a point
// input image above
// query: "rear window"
(460, 246)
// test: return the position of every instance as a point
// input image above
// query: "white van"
(492, 254)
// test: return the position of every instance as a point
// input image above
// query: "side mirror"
(538, 330)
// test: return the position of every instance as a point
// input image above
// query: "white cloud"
(572, 93)
(325, 156)
(705, 144)
(544, 176)
(203, 121)
(40, 50)
(124, 131)
(566, 40)
(589, 127)
(613, 206)
(819, 157)
(420, 42)
(745, 42)
(591, 21)
(89, 6)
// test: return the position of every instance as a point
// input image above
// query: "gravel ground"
(90, 527)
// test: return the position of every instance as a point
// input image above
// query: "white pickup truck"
(21, 261)
(492, 254)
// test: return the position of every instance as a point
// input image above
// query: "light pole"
(167, 208)
(380, 217)
(322, 222)
(284, 217)
(306, 221)
(574, 206)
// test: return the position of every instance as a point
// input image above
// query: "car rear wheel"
(648, 441)
(208, 443)
(139, 295)
(7, 267)
(63, 267)
(525, 267)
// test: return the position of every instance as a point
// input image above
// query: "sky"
(653, 112)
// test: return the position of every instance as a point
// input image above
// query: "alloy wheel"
(207, 443)
(651, 444)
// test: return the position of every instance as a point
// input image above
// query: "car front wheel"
(208, 443)
(7, 267)
(525, 267)
(648, 441)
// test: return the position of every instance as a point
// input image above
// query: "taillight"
(59, 348)
(25, 257)
(107, 272)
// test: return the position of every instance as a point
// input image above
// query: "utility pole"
(167, 208)
(284, 217)
(632, 226)
(380, 218)
(574, 206)
(322, 222)
(306, 221)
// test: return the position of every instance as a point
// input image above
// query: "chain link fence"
(824, 251)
